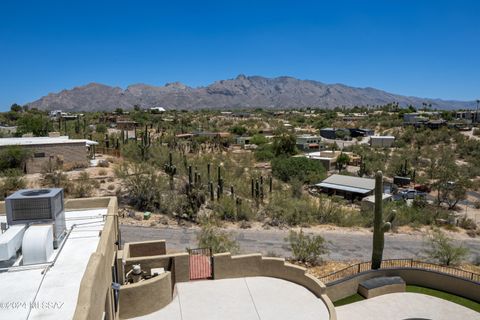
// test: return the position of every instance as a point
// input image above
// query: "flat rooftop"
(42, 140)
(50, 291)
(348, 183)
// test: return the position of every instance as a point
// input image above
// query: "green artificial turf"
(416, 289)
(446, 296)
(356, 297)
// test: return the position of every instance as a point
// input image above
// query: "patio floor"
(253, 298)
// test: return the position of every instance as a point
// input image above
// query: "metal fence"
(399, 263)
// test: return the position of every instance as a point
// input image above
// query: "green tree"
(238, 130)
(306, 248)
(284, 144)
(442, 249)
(38, 124)
(300, 168)
(14, 157)
(342, 161)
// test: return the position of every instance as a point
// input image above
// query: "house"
(368, 203)
(361, 132)
(381, 141)
(328, 133)
(68, 152)
(328, 158)
(349, 187)
(243, 140)
(309, 142)
(157, 110)
(473, 116)
(126, 124)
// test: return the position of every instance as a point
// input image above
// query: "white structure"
(157, 109)
(37, 244)
(382, 141)
(11, 241)
(56, 282)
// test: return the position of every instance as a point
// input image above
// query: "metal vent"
(32, 209)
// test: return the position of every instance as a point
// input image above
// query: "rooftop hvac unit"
(38, 206)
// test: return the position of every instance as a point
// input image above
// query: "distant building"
(309, 142)
(328, 133)
(243, 140)
(8, 130)
(381, 141)
(473, 116)
(157, 110)
(361, 132)
(328, 158)
(349, 187)
(69, 152)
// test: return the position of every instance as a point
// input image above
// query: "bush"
(143, 186)
(306, 248)
(303, 169)
(442, 249)
(217, 240)
(83, 187)
(13, 157)
(12, 181)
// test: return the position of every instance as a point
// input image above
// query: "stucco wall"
(227, 266)
(95, 294)
(138, 299)
(145, 248)
(70, 153)
(177, 263)
(430, 279)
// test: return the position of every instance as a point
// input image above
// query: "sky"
(416, 48)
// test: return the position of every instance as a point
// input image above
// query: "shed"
(349, 187)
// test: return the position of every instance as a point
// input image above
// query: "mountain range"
(240, 93)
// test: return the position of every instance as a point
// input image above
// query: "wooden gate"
(200, 263)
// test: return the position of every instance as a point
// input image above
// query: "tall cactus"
(145, 144)
(171, 170)
(379, 226)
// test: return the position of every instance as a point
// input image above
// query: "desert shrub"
(442, 249)
(219, 241)
(303, 169)
(57, 179)
(111, 187)
(83, 187)
(227, 208)
(13, 157)
(11, 181)
(306, 248)
(264, 153)
(142, 185)
(102, 172)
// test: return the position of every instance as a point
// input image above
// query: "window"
(39, 155)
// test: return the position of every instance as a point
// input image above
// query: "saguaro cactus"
(379, 226)
(145, 144)
(170, 169)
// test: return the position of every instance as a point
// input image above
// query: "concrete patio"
(252, 298)
(400, 306)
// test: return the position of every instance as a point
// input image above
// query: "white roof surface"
(348, 183)
(43, 292)
(42, 140)
(382, 137)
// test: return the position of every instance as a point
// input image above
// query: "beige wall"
(95, 294)
(74, 153)
(226, 266)
(145, 248)
(145, 297)
(424, 278)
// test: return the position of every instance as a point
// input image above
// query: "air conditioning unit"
(38, 206)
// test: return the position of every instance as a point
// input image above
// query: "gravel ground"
(343, 246)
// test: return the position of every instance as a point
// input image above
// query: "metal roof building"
(347, 186)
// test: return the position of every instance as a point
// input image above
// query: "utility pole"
(476, 113)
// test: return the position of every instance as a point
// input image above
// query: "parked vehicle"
(412, 194)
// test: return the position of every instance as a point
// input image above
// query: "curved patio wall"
(425, 278)
(138, 299)
(253, 265)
